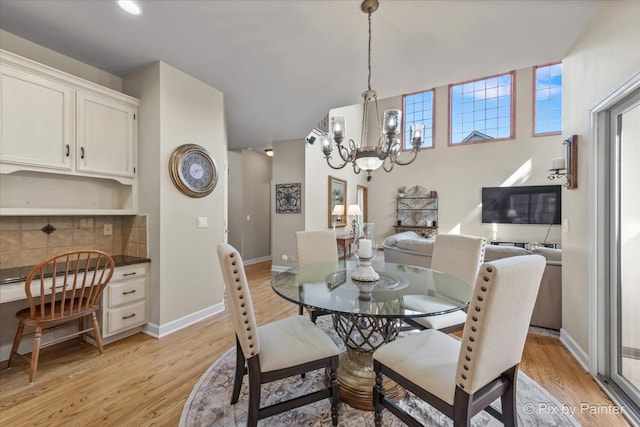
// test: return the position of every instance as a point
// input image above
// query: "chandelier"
(387, 151)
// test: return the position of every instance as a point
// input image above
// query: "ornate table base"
(362, 335)
(357, 378)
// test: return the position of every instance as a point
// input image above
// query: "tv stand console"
(524, 244)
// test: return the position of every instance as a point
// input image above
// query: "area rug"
(208, 404)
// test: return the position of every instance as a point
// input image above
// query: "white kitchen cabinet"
(123, 309)
(105, 136)
(35, 121)
(61, 134)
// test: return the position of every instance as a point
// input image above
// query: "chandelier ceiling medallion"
(387, 151)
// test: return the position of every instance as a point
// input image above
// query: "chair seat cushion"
(292, 341)
(428, 358)
(442, 321)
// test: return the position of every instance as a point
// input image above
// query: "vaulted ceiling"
(282, 64)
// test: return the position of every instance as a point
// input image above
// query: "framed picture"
(337, 202)
(288, 198)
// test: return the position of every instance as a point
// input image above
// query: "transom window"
(418, 109)
(481, 110)
(548, 99)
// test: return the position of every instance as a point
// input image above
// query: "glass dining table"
(366, 315)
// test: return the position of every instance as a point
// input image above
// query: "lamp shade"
(353, 210)
(338, 210)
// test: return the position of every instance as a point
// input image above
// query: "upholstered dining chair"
(284, 348)
(315, 247)
(463, 377)
(459, 256)
(62, 289)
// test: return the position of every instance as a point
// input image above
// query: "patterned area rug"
(208, 404)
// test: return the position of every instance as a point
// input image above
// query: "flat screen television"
(535, 204)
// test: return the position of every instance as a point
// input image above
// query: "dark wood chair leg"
(461, 409)
(239, 375)
(508, 399)
(35, 353)
(16, 344)
(378, 394)
(335, 390)
(253, 414)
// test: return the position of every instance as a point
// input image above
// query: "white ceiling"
(283, 64)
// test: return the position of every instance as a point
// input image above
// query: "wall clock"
(193, 170)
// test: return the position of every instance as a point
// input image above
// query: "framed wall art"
(288, 198)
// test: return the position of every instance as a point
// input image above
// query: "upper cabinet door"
(106, 136)
(35, 120)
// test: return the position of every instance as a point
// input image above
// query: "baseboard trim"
(160, 331)
(256, 260)
(573, 347)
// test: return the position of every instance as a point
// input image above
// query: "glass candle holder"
(366, 251)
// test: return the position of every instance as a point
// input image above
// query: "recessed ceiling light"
(129, 7)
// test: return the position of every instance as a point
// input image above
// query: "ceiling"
(283, 64)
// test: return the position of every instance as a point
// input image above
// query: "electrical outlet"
(202, 222)
(108, 229)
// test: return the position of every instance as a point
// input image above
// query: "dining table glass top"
(403, 291)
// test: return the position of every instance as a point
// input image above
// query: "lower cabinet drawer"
(126, 317)
(126, 292)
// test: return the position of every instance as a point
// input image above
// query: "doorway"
(616, 290)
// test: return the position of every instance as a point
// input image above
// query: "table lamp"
(354, 210)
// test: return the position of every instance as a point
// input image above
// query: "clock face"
(193, 171)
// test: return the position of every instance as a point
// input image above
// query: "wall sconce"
(354, 210)
(268, 152)
(559, 169)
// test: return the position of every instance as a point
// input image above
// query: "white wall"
(236, 180)
(35, 52)
(604, 56)
(288, 168)
(255, 215)
(186, 277)
(458, 173)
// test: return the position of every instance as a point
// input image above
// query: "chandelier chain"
(369, 57)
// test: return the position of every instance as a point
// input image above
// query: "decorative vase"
(366, 251)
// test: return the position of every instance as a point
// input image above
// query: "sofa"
(409, 248)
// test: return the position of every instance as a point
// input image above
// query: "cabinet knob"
(129, 292)
(82, 152)
(129, 274)
(129, 316)
(68, 150)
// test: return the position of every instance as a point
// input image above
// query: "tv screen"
(536, 204)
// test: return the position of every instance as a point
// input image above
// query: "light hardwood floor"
(142, 381)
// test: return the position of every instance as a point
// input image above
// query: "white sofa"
(409, 248)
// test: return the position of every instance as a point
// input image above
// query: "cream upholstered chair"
(277, 350)
(461, 378)
(459, 256)
(315, 247)
(67, 289)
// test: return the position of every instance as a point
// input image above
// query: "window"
(418, 108)
(481, 110)
(548, 99)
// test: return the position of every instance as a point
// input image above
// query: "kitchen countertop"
(19, 274)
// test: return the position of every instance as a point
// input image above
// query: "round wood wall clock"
(193, 170)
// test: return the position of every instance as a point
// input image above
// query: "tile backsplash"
(23, 241)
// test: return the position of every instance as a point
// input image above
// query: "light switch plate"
(202, 222)
(108, 229)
